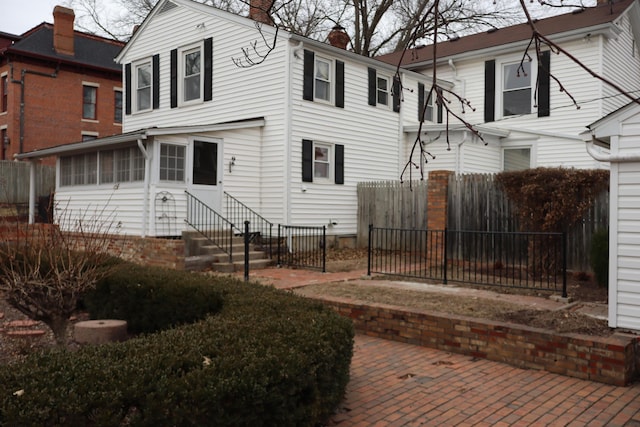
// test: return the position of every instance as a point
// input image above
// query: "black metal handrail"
(532, 260)
(302, 246)
(217, 229)
(260, 229)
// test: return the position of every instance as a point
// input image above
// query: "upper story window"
(117, 105)
(428, 107)
(4, 93)
(322, 79)
(142, 86)
(382, 90)
(191, 75)
(516, 89)
(172, 162)
(89, 102)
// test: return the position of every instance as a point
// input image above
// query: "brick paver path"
(395, 384)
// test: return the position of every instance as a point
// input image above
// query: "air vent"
(167, 7)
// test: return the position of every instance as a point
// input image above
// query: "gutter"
(633, 156)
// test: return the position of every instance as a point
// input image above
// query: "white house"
(620, 131)
(533, 127)
(289, 136)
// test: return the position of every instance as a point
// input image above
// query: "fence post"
(279, 249)
(324, 248)
(246, 251)
(369, 251)
(564, 264)
(444, 256)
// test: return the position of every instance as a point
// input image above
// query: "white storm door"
(207, 172)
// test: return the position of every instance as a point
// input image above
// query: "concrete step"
(255, 264)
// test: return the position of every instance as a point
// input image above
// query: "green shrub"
(152, 299)
(269, 358)
(599, 257)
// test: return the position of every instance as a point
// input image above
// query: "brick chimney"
(258, 11)
(63, 41)
(338, 37)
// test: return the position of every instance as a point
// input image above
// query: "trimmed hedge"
(269, 358)
(152, 299)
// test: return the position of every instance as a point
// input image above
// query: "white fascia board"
(441, 127)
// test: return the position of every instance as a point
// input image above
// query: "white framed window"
(383, 90)
(517, 88)
(103, 167)
(80, 169)
(516, 158)
(143, 78)
(322, 79)
(172, 162)
(191, 78)
(322, 161)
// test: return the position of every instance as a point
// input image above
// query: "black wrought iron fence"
(302, 246)
(510, 259)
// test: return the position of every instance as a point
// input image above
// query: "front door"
(207, 172)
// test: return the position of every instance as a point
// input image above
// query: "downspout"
(32, 192)
(147, 173)
(294, 53)
(456, 79)
(21, 82)
(458, 149)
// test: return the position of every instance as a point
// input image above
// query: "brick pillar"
(437, 200)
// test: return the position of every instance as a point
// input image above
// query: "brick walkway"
(395, 384)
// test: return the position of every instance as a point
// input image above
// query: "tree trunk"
(59, 325)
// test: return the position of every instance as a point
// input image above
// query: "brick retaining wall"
(610, 360)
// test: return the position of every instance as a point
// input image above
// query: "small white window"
(192, 75)
(515, 159)
(172, 162)
(516, 89)
(322, 79)
(321, 161)
(382, 90)
(142, 85)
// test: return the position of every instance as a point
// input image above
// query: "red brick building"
(57, 86)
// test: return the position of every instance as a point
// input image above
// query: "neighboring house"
(290, 137)
(57, 85)
(530, 131)
(620, 132)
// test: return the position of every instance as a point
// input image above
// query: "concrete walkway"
(396, 384)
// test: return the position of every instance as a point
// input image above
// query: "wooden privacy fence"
(391, 204)
(14, 181)
(475, 203)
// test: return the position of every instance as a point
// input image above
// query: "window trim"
(94, 86)
(501, 80)
(182, 53)
(388, 91)
(330, 80)
(532, 154)
(330, 162)
(147, 62)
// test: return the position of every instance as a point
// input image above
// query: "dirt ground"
(580, 287)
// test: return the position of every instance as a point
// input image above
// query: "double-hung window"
(192, 75)
(382, 90)
(322, 162)
(515, 159)
(516, 88)
(89, 101)
(142, 85)
(322, 79)
(117, 105)
(4, 93)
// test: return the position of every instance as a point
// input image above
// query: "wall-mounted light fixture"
(232, 163)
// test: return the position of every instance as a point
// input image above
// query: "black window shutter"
(309, 64)
(128, 91)
(421, 105)
(208, 69)
(489, 90)
(372, 86)
(339, 173)
(174, 78)
(340, 84)
(396, 94)
(307, 160)
(439, 104)
(544, 84)
(156, 81)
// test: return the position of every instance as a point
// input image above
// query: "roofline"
(58, 60)
(115, 140)
(442, 127)
(608, 29)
